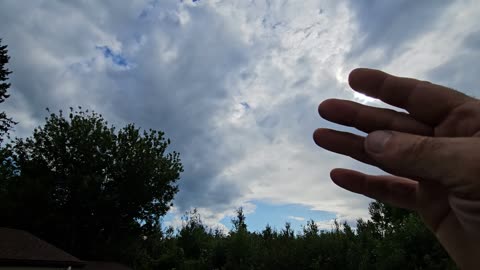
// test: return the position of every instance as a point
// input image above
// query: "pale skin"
(432, 153)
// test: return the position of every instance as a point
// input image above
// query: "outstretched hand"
(432, 152)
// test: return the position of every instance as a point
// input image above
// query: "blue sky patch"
(245, 105)
(276, 215)
(117, 59)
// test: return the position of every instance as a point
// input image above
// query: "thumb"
(452, 162)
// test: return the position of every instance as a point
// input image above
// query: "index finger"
(427, 102)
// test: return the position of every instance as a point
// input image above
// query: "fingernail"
(376, 141)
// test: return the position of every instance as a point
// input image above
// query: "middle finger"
(368, 119)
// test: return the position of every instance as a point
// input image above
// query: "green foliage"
(392, 239)
(192, 237)
(87, 188)
(239, 246)
(6, 123)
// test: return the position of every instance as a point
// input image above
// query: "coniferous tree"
(6, 123)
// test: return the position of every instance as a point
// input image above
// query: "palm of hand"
(440, 206)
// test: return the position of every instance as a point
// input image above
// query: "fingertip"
(326, 107)
(347, 179)
(321, 107)
(340, 172)
(334, 175)
(365, 79)
(317, 134)
(337, 175)
(335, 172)
(324, 135)
(355, 75)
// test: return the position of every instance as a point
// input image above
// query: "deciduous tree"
(89, 188)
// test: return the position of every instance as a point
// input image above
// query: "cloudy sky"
(234, 84)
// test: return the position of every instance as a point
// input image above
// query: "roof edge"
(44, 263)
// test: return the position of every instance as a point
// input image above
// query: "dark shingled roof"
(22, 248)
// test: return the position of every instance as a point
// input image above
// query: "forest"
(392, 239)
(100, 193)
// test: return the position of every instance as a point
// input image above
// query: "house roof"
(19, 247)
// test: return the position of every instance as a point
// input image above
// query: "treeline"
(391, 239)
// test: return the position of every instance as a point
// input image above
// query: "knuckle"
(423, 146)
(423, 156)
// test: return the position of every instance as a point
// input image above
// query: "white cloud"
(296, 218)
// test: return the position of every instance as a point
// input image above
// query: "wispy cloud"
(296, 218)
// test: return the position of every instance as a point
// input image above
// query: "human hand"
(432, 152)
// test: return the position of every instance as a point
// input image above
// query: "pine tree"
(6, 123)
